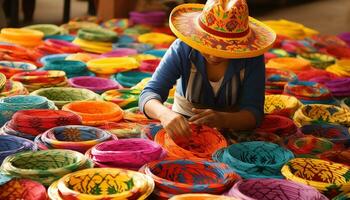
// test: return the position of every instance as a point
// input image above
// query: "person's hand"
(207, 117)
(176, 126)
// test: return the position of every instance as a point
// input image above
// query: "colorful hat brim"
(184, 24)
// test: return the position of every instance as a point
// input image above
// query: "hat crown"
(225, 16)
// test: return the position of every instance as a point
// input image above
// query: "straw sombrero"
(221, 28)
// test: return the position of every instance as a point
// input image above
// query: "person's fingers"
(197, 111)
(185, 129)
(205, 120)
(200, 115)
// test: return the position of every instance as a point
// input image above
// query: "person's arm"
(251, 102)
(157, 91)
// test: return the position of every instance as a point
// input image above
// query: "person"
(218, 64)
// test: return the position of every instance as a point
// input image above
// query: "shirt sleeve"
(252, 94)
(164, 78)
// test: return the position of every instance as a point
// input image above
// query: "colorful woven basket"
(271, 189)
(244, 159)
(156, 38)
(109, 66)
(281, 105)
(340, 68)
(292, 64)
(36, 121)
(127, 153)
(41, 79)
(276, 79)
(96, 84)
(339, 87)
(120, 52)
(13, 88)
(10, 145)
(279, 125)
(174, 177)
(136, 116)
(335, 133)
(74, 137)
(318, 60)
(329, 178)
(23, 189)
(123, 130)
(95, 113)
(318, 113)
(309, 146)
(309, 92)
(196, 146)
(102, 183)
(45, 166)
(9, 68)
(342, 156)
(64, 95)
(130, 79)
(10, 105)
(125, 98)
(72, 68)
(200, 197)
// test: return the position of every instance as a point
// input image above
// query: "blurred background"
(327, 16)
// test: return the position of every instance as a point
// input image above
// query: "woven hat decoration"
(221, 28)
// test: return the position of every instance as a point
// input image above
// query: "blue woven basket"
(255, 159)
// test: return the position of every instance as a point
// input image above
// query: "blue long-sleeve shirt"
(176, 67)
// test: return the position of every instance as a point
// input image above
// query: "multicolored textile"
(174, 177)
(195, 147)
(255, 159)
(102, 183)
(329, 178)
(201, 197)
(127, 153)
(45, 166)
(74, 137)
(95, 113)
(136, 116)
(64, 95)
(318, 113)
(271, 189)
(97, 34)
(23, 189)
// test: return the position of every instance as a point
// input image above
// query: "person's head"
(213, 59)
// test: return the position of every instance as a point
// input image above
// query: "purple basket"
(271, 189)
(96, 84)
